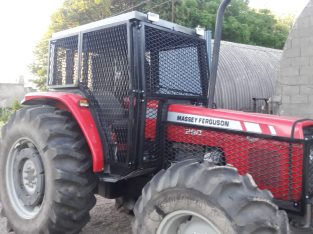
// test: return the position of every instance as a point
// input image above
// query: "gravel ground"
(105, 219)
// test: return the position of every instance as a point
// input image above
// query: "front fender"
(83, 116)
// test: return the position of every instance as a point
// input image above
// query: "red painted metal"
(150, 128)
(237, 148)
(283, 125)
(83, 116)
(237, 151)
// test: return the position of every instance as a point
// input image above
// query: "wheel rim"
(25, 178)
(186, 222)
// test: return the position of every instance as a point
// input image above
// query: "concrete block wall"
(294, 85)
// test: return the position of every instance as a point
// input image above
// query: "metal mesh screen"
(274, 165)
(151, 145)
(63, 62)
(308, 135)
(175, 64)
(310, 172)
(105, 74)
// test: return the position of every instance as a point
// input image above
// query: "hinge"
(140, 94)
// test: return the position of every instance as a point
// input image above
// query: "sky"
(280, 7)
(23, 22)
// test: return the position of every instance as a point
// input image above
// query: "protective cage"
(117, 66)
(97, 61)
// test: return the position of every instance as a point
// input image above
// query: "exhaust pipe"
(216, 51)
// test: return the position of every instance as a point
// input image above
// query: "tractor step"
(113, 178)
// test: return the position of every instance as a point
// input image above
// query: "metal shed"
(245, 72)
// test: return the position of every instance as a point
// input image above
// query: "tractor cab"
(129, 67)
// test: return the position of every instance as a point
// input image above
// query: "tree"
(241, 24)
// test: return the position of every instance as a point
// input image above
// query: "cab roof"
(134, 15)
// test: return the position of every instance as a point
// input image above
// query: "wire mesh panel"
(175, 64)
(63, 62)
(151, 145)
(310, 169)
(275, 165)
(105, 74)
(308, 135)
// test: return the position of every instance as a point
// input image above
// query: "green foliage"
(16, 106)
(5, 113)
(241, 24)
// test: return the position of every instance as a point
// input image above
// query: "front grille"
(105, 74)
(175, 64)
(275, 165)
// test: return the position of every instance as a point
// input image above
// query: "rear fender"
(83, 116)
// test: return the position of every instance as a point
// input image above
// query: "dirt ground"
(105, 219)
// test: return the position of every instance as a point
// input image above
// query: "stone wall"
(294, 86)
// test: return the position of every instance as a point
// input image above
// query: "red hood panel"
(236, 120)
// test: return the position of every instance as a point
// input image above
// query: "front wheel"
(46, 181)
(192, 197)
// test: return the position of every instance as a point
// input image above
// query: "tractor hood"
(238, 121)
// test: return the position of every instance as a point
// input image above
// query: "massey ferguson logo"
(197, 120)
(205, 121)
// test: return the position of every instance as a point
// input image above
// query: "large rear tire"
(192, 197)
(46, 181)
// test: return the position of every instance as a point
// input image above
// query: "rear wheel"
(192, 197)
(46, 181)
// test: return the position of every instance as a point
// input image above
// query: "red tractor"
(127, 117)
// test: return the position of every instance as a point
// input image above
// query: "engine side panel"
(271, 125)
(267, 160)
(252, 147)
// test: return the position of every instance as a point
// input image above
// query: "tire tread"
(219, 184)
(70, 210)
